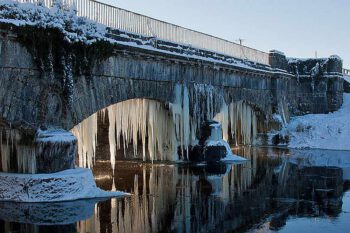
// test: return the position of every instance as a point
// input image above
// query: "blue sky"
(296, 27)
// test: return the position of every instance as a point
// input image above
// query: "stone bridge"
(36, 91)
(47, 82)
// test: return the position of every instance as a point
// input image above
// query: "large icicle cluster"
(142, 121)
(239, 122)
(86, 133)
(147, 129)
(185, 128)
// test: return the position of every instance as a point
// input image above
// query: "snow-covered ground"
(322, 131)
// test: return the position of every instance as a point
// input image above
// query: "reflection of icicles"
(86, 133)
(241, 120)
(163, 191)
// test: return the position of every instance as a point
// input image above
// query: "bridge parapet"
(128, 21)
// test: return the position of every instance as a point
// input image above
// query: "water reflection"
(45, 217)
(275, 189)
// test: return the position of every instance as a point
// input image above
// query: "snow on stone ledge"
(68, 185)
(55, 136)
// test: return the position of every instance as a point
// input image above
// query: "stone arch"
(138, 128)
(101, 93)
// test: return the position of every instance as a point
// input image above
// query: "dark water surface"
(275, 191)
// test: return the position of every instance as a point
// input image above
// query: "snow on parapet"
(80, 29)
(59, 16)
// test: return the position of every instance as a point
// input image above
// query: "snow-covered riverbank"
(322, 131)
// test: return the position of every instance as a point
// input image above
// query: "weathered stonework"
(35, 93)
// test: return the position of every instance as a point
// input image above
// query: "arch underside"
(150, 129)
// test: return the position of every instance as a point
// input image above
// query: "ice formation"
(50, 144)
(239, 121)
(25, 155)
(142, 121)
(86, 133)
(151, 130)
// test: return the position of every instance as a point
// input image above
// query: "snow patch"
(68, 185)
(322, 131)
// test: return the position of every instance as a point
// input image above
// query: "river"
(277, 190)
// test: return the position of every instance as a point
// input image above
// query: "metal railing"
(346, 72)
(118, 18)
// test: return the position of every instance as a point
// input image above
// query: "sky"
(299, 28)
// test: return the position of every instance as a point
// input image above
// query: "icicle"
(242, 121)
(111, 137)
(283, 111)
(223, 118)
(26, 159)
(147, 123)
(86, 133)
(5, 157)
